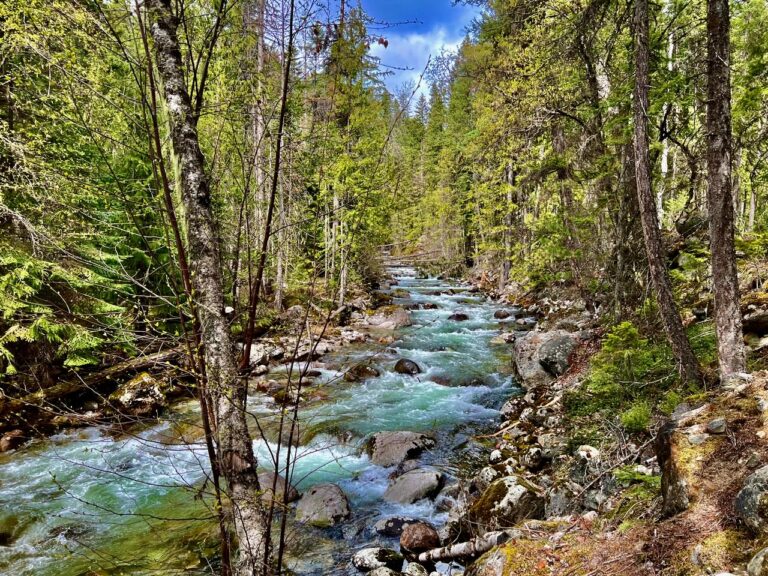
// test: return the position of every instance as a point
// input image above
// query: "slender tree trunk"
(730, 343)
(681, 347)
(506, 265)
(237, 461)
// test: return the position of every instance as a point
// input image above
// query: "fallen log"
(470, 549)
(36, 402)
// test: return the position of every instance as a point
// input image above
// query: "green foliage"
(29, 313)
(637, 418)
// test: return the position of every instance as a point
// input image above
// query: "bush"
(637, 418)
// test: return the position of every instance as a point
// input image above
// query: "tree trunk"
(730, 342)
(673, 326)
(237, 461)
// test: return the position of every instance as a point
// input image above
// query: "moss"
(720, 551)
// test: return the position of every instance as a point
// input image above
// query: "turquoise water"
(87, 502)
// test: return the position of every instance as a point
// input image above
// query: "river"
(94, 502)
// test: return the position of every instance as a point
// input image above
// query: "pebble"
(716, 426)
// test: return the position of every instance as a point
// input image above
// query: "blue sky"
(430, 26)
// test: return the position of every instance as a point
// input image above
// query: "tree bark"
(235, 449)
(673, 326)
(730, 342)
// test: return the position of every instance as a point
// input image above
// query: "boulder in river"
(390, 318)
(419, 537)
(267, 479)
(360, 372)
(415, 485)
(458, 317)
(405, 366)
(323, 505)
(392, 448)
(144, 394)
(369, 559)
(501, 314)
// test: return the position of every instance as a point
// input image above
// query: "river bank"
(96, 499)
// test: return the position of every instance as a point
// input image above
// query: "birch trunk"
(235, 450)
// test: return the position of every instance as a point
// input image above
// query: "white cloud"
(408, 54)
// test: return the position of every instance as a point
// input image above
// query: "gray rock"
(716, 426)
(369, 559)
(392, 448)
(323, 505)
(505, 503)
(405, 366)
(414, 569)
(758, 566)
(752, 501)
(415, 485)
(384, 572)
(555, 352)
(390, 318)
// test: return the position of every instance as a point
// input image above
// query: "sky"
(415, 29)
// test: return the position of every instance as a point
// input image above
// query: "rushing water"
(88, 502)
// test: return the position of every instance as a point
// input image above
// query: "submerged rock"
(458, 317)
(360, 372)
(369, 559)
(406, 366)
(415, 485)
(323, 505)
(392, 448)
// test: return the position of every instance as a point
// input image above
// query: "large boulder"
(267, 480)
(323, 505)
(405, 366)
(555, 352)
(392, 448)
(540, 356)
(415, 485)
(142, 395)
(369, 559)
(752, 501)
(418, 537)
(390, 318)
(504, 503)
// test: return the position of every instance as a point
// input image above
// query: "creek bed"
(89, 502)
